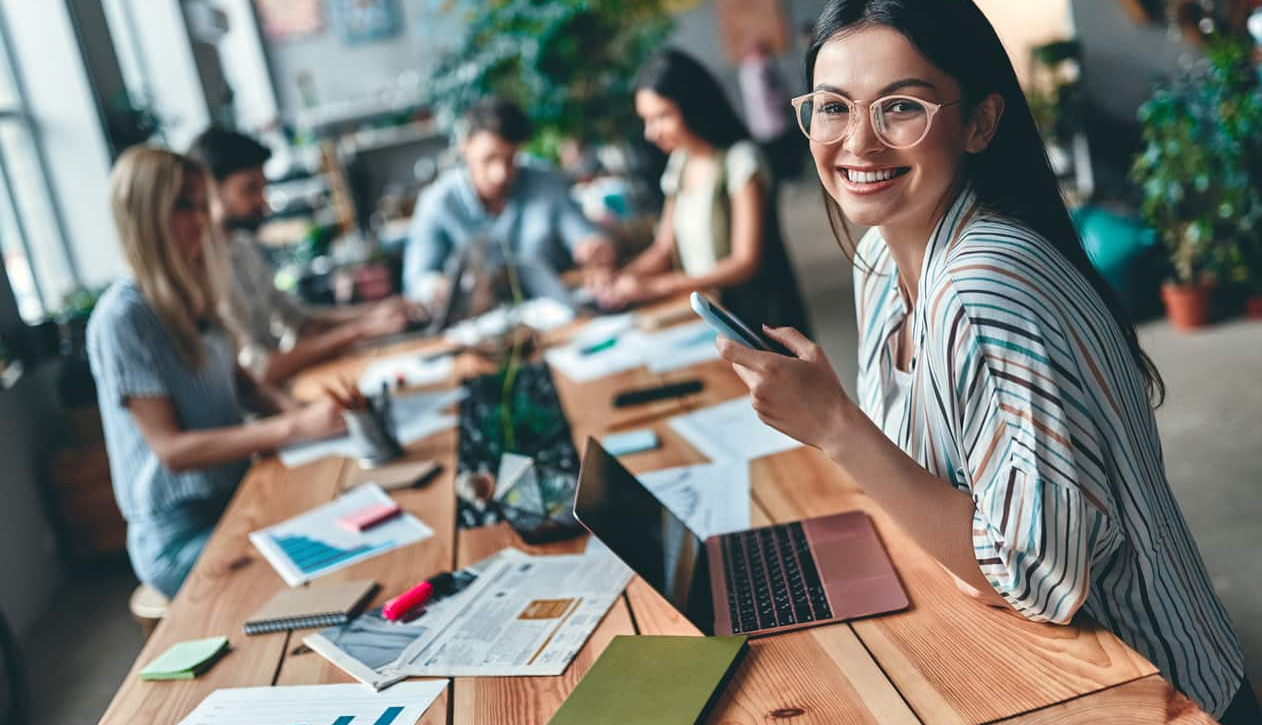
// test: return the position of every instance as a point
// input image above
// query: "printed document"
(321, 704)
(731, 431)
(522, 616)
(710, 498)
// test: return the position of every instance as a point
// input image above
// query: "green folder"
(653, 680)
(185, 660)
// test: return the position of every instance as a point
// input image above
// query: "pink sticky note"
(369, 517)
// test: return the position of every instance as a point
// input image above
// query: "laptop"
(754, 582)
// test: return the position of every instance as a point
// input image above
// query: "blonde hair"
(144, 187)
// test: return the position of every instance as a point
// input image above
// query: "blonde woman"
(167, 384)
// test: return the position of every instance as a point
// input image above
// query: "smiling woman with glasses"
(1004, 410)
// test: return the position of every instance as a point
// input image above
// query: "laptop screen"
(629, 519)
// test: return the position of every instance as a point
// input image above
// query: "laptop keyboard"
(771, 578)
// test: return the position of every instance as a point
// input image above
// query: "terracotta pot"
(1253, 307)
(1187, 306)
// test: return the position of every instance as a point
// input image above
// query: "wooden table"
(947, 659)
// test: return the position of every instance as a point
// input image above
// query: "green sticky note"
(185, 660)
(653, 680)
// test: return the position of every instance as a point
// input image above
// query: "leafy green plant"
(1199, 169)
(1055, 94)
(570, 64)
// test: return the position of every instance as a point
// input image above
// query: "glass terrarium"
(516, 458)
(536, 500)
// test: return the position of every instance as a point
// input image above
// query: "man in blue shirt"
(508, 207)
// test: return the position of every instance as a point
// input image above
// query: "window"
(36, 257)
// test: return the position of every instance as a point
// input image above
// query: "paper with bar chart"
(317, 705)
(311, 545)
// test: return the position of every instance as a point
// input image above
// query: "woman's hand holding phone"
(799, 396)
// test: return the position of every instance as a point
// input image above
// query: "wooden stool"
(148, 607)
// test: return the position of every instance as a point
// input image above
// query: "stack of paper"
(186, 660)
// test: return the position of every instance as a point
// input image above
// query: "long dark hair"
(707, 112)
(1012, 177)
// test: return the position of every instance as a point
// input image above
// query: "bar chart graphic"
(312, 544)
(311, 555)
(387, 717)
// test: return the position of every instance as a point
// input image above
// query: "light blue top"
(540, 221)
(169, 514)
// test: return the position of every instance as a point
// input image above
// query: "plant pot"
(1187, 306)
(1253, 307)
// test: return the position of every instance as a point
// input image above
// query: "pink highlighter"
(394, 609)
(364, 519)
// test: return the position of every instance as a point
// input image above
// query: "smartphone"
(731, 327)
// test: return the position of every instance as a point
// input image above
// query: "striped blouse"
(1024, 395)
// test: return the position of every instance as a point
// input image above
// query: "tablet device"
(731, 327)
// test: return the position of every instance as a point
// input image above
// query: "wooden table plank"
(1146, 701)
(948, 654)
(229, 582)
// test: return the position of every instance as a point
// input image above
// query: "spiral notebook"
(318, 605)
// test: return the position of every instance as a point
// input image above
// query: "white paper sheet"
(542, 314)
(316, 704)
(311, 545)
(625, 354)
(681, 346)
(670, 349)
(731, 431)
(405, 371)
(415, 416)
(710, 498)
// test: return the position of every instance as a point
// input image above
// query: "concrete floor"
(1211, 429)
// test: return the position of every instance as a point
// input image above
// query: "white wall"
(345, 72)
(1122, 58)
(1028, 23)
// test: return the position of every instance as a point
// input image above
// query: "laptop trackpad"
(856, 571)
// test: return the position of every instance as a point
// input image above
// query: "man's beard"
(245, 224)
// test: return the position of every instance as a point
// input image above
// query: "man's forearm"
(307, 351)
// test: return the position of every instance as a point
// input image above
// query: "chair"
(148, 606)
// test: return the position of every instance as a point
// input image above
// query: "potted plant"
(75, 384)
(570, 64)
(1197, 174)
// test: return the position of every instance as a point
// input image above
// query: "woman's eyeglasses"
(899, 122)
